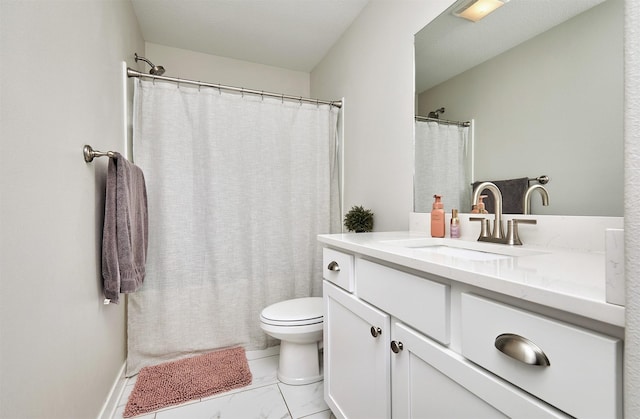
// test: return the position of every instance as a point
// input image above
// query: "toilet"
(298, 324)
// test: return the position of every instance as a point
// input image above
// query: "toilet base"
(299, 363)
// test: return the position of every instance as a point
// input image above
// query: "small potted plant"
(359, 219)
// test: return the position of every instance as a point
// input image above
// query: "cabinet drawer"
(419, 302)
(432, 381)
(584, 375)
(337, 267)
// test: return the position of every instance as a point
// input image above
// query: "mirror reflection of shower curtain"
(238, 189)
(442, 166)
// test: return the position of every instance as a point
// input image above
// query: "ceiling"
(296, 34)
(291, 34)
(450, 45)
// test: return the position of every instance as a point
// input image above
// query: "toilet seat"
(296, 312)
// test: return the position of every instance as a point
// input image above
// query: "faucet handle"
(484, 226)
(512, 230)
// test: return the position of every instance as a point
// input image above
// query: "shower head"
(436, 113)
(156, 70)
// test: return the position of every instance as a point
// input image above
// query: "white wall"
(632, 209)
(192, 65)
(557, 111)
(372, 67)
(61, 349)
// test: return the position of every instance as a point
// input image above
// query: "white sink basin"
(463, 249)
(457, 252)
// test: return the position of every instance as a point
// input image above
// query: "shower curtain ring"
(262, 95)
(199, 85)
(282, 98)
(219, 89)
(318, 103)
(300, 100)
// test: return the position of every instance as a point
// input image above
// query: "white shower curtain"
(238, 188)
(442, 166)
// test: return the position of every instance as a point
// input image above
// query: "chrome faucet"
(526, 200)
(498, 230)
(497, 235)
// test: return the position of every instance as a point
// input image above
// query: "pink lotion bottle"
(437, 218)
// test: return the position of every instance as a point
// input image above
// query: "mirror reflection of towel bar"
(543, 180)
(90, 153)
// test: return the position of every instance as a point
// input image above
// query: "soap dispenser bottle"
(454, 231)
(437, 218)
(481, 209)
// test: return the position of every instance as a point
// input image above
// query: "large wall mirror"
(542, 81)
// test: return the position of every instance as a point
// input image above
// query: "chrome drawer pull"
(521, 349)
(375, 331)
(333, 266)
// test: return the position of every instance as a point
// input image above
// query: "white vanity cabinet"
(405, 345)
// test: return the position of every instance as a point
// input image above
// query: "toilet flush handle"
(333, 266)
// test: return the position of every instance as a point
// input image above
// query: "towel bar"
(90, 153)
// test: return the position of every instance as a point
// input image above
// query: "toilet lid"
(299, 311)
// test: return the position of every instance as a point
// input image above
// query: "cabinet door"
(356, 357)
(431, 381)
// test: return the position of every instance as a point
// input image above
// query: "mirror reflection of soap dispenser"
(437, 217)
(481, 209)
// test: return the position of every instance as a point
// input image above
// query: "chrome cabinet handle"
(375, 331)
(396, 347)
(521, 349)
(333, 266)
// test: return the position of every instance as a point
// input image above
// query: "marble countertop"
(567, 280)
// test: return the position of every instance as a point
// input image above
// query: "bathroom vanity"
(418, 327)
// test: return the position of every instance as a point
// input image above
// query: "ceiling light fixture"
(475, 10)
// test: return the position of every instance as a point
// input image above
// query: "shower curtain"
(238, 188)
(442, 166)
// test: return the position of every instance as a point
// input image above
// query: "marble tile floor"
(266, 397)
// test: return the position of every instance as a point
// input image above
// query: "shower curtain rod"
(444, 121)
(134, 73)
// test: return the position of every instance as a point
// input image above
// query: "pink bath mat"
(188, 379)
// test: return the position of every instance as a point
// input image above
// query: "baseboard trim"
(111, 403)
